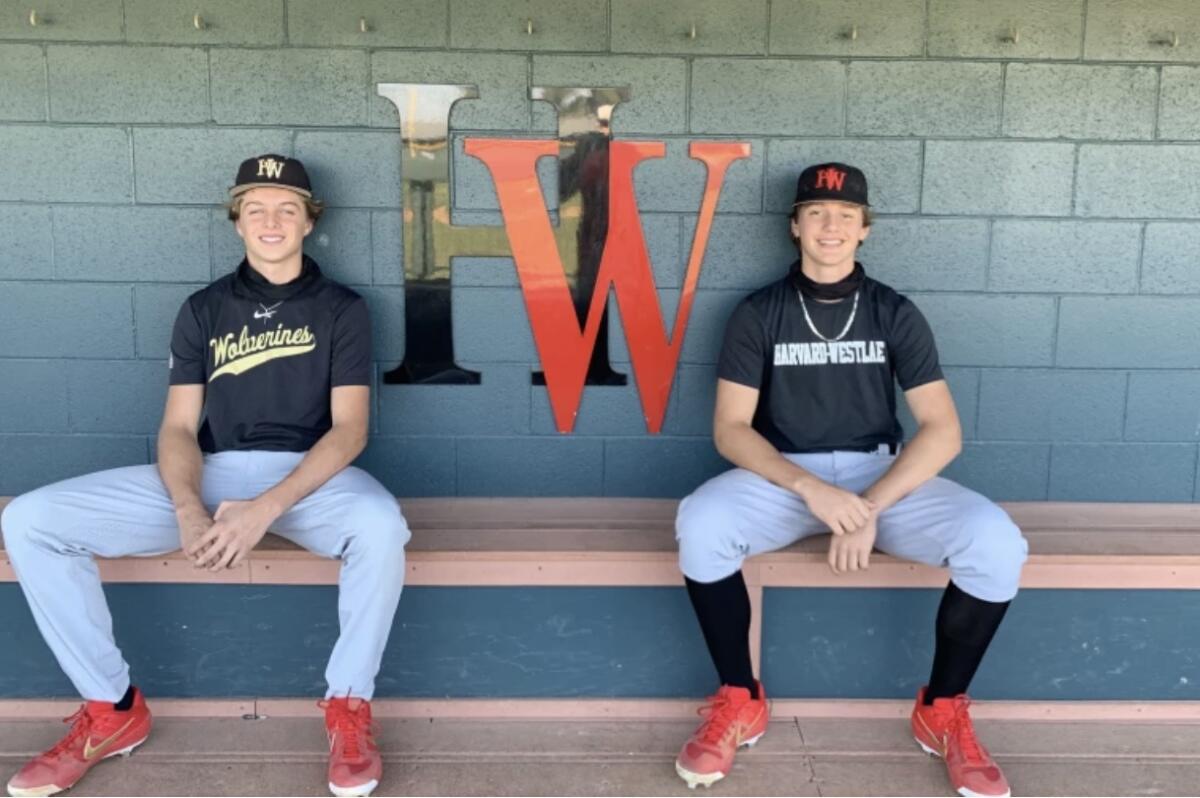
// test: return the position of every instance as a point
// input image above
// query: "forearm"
(180, 464)
(335, 450)
(920, 460)
(743, 446)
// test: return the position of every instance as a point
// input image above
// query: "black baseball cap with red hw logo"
(838, 182)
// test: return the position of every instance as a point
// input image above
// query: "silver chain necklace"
(813, 327)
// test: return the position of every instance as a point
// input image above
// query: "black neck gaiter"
(828, 291)
(259, 287)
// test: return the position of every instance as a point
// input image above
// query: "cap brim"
(811, 200)
(244, 187)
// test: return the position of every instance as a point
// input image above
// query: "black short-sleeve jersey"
(817, 395)
(268, 356)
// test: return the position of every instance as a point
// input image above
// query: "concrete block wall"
(1038, 198)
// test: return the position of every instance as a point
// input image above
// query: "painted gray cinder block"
(20, 380)
(1080, 102)
(128, 84)
(30, 461)
(1131, 472)
(1133, 180)
(341, 243)
(706, 326)
(1128, 332)
(604, 410)
(893, 169)
(971, 29)
(65, 320)
(990, 330)
(65, 164)
(198, 165)
(927, 254)
(541, 466)
(852, 28)
(789, 98)
(1051, 405)
(28, 244)
(964, 389)
(227, 249)
(1133, 30)
(24, 70)
(491, 326)
(117, 395)
(1171, 260)
(155, 308)
(499, 406)
(131, 244)
(659, 467)
(222, 21)
(996, 177)
(676, 182)
(639, 27)
(386, 306)
(353, 169)
(502, 80)
(412, 466)
(1179, 105)
(1163, 406)
(314, 23)
(577, 25)
(921, 98)
(1003, 471)
(334, 92)
(658, 90)
(1069, 257)
(695, 392)
(63, 20)
(744, 252)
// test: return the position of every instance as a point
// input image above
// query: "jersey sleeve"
(352, 346)
(744, 351)
(914, 352)
(187, 348)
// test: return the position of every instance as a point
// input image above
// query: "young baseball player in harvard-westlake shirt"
(806, 410)
(275, 360)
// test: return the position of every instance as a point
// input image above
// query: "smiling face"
(272, 223)
(828, 234)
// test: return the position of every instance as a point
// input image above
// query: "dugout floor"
(286, 756)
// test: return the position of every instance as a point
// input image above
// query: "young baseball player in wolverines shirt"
(806, 409)
(275, 358)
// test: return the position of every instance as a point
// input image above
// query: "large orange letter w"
(564, 348)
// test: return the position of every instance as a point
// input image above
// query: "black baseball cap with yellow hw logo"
(271, 170)
(832, 181)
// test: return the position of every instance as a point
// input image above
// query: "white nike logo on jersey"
(266, 312)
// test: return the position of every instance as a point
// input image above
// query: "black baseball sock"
(965, 627)
(723, 609)
(126, 702)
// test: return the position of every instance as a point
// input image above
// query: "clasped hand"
(852, 520)
(224, 540)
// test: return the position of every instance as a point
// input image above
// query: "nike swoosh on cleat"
(90, 751)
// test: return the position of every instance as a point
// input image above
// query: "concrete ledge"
(626, 709)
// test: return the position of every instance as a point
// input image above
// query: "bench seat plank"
(612, 541)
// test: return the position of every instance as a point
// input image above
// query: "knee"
(998, 550)
(18, 521)
(379, 531)
(706, 528)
